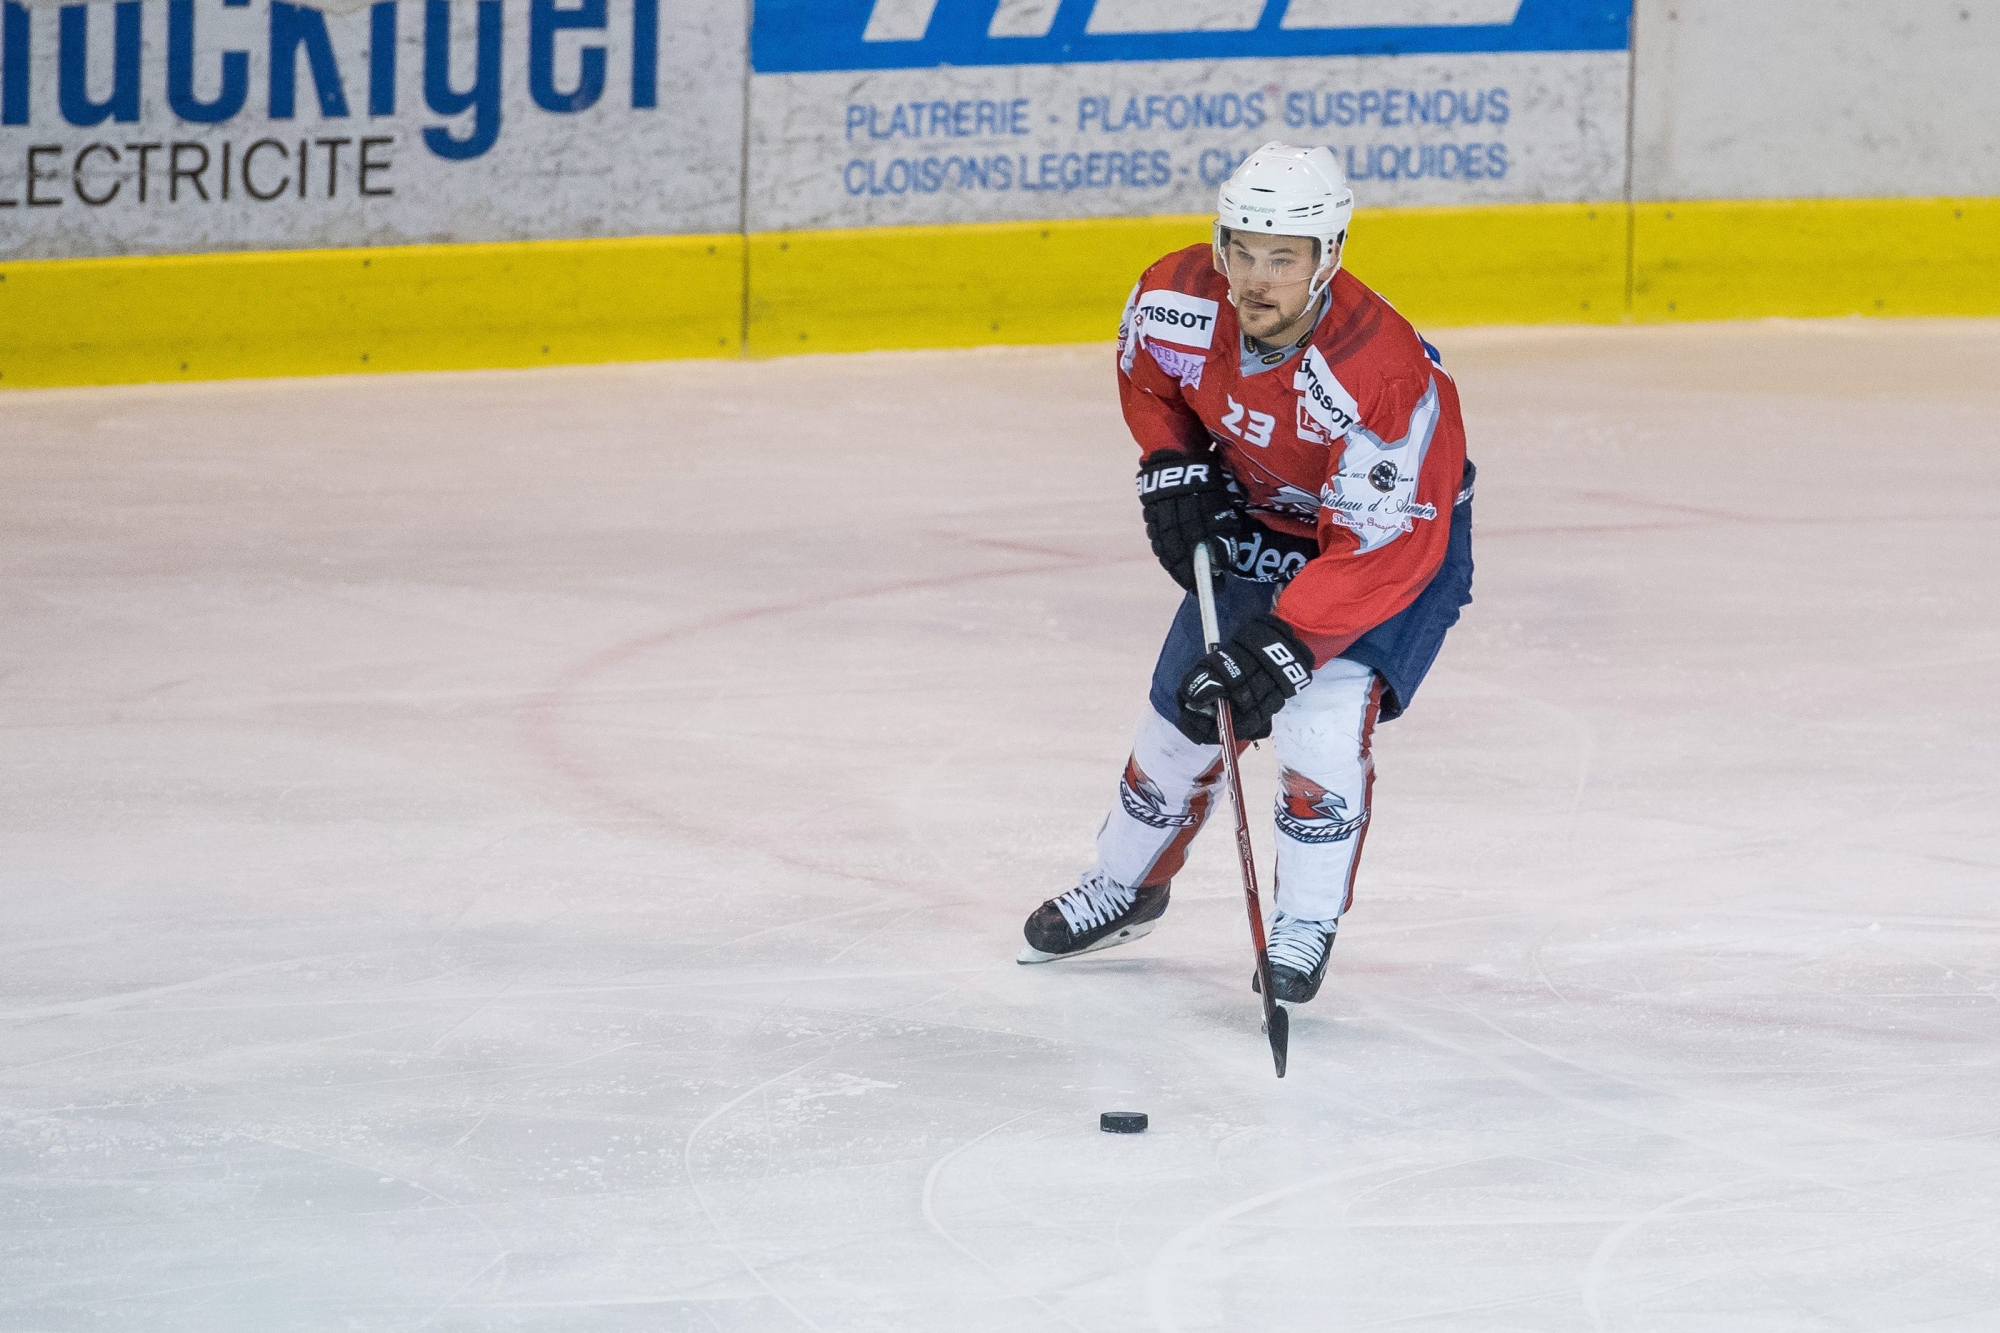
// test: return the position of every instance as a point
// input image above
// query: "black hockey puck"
(1122, 1122)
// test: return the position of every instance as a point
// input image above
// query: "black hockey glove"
(1256, 672)
(1187, 500)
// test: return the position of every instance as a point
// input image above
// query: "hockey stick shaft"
(1277, 1023)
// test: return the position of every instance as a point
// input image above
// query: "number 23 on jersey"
(1257, 430)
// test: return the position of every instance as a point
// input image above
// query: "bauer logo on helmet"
(1286, 190)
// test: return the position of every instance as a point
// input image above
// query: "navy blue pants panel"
(1237, 602)
(1401, 648)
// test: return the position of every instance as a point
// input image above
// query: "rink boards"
(204, 188)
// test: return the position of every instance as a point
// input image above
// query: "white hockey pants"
(1321, 738)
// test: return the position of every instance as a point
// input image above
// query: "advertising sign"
(167, 126)
(171, 126)
(871, 112)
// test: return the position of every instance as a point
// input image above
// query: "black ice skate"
(1298, 951)
(1096, 914)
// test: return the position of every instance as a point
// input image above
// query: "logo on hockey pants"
(1309, 812)
(1145, 802)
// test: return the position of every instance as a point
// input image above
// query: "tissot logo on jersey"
(1326, 400)
(1175, 318)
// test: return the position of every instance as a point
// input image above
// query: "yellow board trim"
(1808, 258)
(448, 307)
(1055, 282)
(958, 286)
(331, 312)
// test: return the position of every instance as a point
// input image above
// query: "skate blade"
(1030, 954)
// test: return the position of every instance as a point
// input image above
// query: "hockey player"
(1287, 416)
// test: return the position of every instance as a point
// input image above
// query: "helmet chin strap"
(1327, 271)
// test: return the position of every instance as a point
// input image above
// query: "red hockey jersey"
(1354, 439)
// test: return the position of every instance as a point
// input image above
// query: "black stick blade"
(1280, 1030)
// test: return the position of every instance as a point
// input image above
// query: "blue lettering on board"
(807, 36)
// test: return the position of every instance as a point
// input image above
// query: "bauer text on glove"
(1187, 500)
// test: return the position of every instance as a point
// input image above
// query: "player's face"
(1270, 278)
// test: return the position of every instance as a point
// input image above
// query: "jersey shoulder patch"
(1373, 493)
(1183, 366)
(1173, 314)
(1175, 317)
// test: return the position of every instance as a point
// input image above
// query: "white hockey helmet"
(1283, 190)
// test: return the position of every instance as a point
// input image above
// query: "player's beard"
(1271, 314)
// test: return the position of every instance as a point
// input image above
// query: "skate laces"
(1093, 902)
(1298, 944)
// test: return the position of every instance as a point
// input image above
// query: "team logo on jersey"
(1383, 476)
(1309, 812)
(1292, 502)
(1174, 317)
(1183, 366)
(1145, 802)
(1278, 496)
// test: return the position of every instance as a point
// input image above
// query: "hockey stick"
(1277, 1021)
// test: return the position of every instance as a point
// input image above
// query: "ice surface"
(546, 851)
